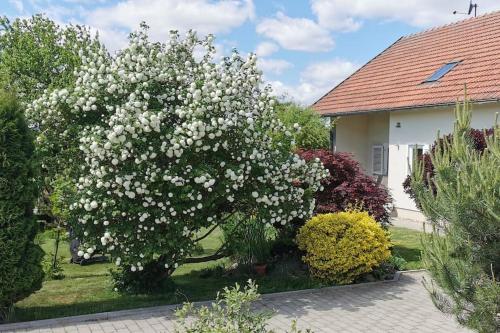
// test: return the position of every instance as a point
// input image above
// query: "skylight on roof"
(442, 71)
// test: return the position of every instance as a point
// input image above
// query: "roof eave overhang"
(403, 108)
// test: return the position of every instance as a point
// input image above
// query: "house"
(391, 109)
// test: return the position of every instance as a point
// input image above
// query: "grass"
(88, 289)
(408, 246)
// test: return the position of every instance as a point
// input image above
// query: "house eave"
(403, 108)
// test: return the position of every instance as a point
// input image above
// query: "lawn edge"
(44, 323)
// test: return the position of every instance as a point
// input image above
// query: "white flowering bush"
(171, 145)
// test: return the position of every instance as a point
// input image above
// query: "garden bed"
(88, 289)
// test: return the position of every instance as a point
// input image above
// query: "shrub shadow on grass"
(411, 255)
(94, 294)
(88, 289)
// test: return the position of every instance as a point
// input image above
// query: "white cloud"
(329, 73)
(348, 15)
(18, 4)
(315, 80)
(274, 66)
(265, 49)
(116, 21)
(303, 93)
(85, 1)
(298, 34)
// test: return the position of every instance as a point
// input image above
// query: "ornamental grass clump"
(174, 146)
(339, 247)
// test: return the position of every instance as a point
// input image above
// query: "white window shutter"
(378, 160)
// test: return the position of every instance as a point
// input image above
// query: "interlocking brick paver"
(402, 306)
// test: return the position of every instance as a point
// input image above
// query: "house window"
(415, 153)
(379, 160)
(442, 71)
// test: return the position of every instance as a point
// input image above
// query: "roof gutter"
(402, 108)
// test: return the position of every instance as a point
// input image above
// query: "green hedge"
(20, 270)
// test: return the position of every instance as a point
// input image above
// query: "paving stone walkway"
(399, 306)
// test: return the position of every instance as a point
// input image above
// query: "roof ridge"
(496, 12)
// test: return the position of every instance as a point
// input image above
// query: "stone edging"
(45, 323)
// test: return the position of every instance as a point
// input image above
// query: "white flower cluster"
(177, 144)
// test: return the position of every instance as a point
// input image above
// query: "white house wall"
(420, 127)
(378, 134)
(358, 133)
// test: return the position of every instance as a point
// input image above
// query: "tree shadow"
(350, 298)
(408, 253)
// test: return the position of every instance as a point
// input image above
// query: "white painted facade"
(399, 132)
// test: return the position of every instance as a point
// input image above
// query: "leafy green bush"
(387, 269)
(339, 247)
(464, 199)
(313, 133)
(230, 313)
(399, 263)
(20, 269)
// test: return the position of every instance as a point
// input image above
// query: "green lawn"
(407, 245)
(87, 289)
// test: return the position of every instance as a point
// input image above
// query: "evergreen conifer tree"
(20, 269)
(464, 261)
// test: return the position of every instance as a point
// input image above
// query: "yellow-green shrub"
(341, 246)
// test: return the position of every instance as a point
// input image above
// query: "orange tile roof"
(393, 79)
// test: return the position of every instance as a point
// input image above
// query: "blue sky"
(304, 47)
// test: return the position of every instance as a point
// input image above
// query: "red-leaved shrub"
(348, 186)
(478, 141)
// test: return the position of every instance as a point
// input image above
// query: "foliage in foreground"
(230, 313)
(20, 269)
(339, 247)
(178, 145)
(348, 186)
(313, 132)
(464, 199)
(476, 137)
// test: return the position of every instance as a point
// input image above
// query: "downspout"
(333, 133)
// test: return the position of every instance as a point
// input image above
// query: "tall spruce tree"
(20, 269)
(465, 261)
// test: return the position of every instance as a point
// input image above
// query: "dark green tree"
(464, 261)
(20, 270)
